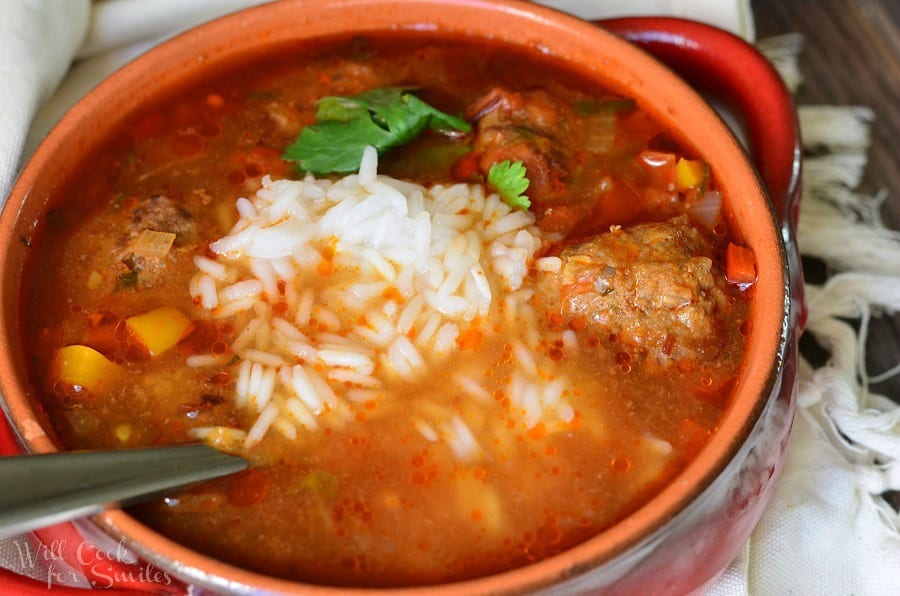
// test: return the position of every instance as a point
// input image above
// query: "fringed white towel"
(828, 528)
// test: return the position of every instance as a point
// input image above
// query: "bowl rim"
(643, 523)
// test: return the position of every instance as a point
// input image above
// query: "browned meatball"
(159, 214)
(652, 286)
(162, 214)
(526, 127)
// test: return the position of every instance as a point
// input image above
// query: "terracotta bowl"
(695, 526)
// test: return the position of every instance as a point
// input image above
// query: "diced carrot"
(740, 265)
(83, 367)
(689, 173)
(159, 329)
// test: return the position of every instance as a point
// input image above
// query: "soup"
(437, 371)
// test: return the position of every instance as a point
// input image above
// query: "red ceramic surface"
(695, 526)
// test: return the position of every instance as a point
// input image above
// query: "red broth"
(644, 317)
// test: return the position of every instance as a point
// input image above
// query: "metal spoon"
(46, 489)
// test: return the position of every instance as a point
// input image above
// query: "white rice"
(207, 360)
(549, 264)
(380, 277)
(212, 268)
(473, 388)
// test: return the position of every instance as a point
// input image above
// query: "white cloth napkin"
(37, 41)
(827, 529)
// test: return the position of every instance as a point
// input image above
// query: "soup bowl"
(697, 523)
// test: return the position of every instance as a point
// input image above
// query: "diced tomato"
(467, 167)
(659, 166)
(620, 205)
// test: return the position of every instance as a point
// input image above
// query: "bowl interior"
(598, 54)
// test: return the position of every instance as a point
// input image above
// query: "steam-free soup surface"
(590, 381)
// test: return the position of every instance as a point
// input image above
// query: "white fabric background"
(827, 530)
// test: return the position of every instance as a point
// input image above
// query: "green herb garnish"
(510, 181)
(384, 118)
(126, 280)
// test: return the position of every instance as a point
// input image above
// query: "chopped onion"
(153, 244)
(707, 210)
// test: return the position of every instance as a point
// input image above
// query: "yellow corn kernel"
(83, 367)
(123, 432)
(223, 438)
(94, 280)
(159, 329)
(689, 173)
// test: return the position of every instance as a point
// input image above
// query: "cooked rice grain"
(373, 277)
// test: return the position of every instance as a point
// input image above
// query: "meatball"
(525, 127)
(162, 214)
(653, 287)
(159, 214)
(561, 148)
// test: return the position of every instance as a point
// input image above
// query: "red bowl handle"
(724, 66)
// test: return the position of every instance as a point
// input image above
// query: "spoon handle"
(46, 489)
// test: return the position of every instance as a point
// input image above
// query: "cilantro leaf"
(510, 181)
(384, 118)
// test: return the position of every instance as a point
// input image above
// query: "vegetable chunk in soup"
(461, 308)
